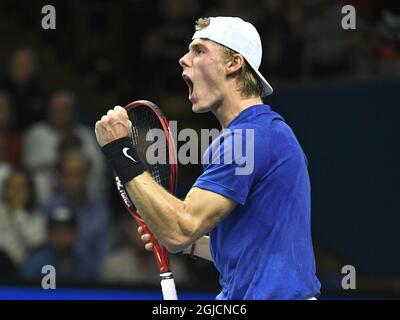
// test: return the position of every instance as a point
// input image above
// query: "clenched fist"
(113, 126)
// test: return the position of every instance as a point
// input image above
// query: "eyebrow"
(196, 46)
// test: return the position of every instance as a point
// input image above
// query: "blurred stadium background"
(338, 89)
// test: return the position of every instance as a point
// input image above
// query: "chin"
(196, 108)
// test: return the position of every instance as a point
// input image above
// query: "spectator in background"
(292, 61)
(27, 96)
(327, 46)
(21, 223)
(5, 166)
(10, 141)
(92, 214)
(388, 50)
(41, 142)
(131, 263)
(8, 270)
(270, 20)
(231, 8)
(163, 45)
(71, 263)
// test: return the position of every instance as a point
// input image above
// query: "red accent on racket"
(145, 116)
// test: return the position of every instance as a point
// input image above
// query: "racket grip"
(168, 286)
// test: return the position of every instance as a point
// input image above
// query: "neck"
(231, 106)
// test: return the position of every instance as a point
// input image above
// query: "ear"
(235, 64)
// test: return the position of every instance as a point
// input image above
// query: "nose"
(184, 61)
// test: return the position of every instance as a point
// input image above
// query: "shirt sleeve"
(229, 165)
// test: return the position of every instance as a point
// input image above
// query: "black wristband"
(124, 159)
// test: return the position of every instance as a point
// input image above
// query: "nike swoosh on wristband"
(125, 152)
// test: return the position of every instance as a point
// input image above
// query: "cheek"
(210, 76)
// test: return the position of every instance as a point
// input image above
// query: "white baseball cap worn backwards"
(240, 36)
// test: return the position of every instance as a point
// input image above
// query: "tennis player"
(258, 223)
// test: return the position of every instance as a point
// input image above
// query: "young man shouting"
(259, 222)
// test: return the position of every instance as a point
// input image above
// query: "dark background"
(338, 89)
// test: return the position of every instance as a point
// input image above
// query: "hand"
(113, 126)
(146, 239)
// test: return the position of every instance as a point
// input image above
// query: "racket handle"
(168, 286)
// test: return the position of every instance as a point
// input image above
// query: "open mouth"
(189, 83)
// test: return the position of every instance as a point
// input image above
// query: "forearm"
(176, 224)
(168, 217)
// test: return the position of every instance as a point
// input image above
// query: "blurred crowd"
(57, 204)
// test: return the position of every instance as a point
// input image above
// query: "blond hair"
(248, 83)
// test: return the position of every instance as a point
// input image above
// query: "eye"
(199, 50)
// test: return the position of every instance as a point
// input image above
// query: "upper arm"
(206, 209)
(177, 223)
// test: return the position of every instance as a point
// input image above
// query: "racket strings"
(144, 120)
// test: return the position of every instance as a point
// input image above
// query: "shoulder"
(271, 131)
(34, 264)
(56, 200)
(41, 127)
(39, 256)
(274, 141)
(84, 131)
(33, 217)
(97, 204)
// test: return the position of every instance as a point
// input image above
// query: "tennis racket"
(146, 116)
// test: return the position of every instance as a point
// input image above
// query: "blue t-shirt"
(263, 248)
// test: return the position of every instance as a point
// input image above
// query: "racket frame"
(161, 253)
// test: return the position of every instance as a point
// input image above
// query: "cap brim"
(267, 87)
